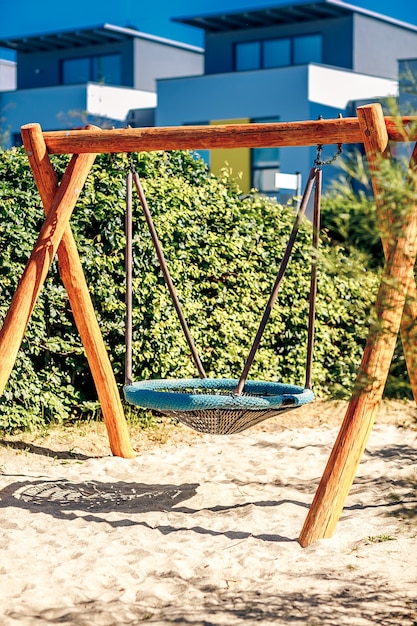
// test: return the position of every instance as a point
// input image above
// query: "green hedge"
(349, 217)
(223, 250)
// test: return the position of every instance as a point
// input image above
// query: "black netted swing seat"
(220, 406)
(210, 405)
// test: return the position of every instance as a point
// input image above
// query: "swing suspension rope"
(222, 405)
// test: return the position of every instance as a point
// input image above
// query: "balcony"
(71, 106)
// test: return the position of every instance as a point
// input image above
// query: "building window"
(307, 49)
(277, 52)
(17, 140)
(248, 56)
(265, 164)
(256, 55)
(75, 71)
(107, 69)
(104, 69)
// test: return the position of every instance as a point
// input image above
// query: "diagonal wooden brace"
(37, 267)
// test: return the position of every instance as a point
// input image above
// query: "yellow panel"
(236, 159)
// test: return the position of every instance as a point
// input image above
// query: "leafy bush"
(223, 251)
(349, 213)
(349, 217)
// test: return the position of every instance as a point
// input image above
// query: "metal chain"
(318, 162)
(117, 165)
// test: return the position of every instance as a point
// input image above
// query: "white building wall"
(336, 88)
(7, 75)
(115, 102)
(71, 106)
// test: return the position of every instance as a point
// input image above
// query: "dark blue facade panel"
(336, 34)
(45, 69)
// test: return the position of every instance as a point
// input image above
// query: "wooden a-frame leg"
(33, 277)
(350, 444)
(62, 202)
(376, 145)
(82, 307)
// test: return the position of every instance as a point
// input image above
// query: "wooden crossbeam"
(308, 133)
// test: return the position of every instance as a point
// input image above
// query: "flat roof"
(280, 15)
(82, 37)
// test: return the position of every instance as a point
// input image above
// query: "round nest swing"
(220, 406)
(210, 405)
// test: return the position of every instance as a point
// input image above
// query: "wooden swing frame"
(396, 301)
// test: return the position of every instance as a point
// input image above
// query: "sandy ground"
(203, 530)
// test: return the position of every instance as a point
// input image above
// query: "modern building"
(298, 61)
(307, 59)
(96, 75)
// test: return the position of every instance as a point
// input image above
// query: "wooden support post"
(74, 281)
(376, 146)
(344, 459)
